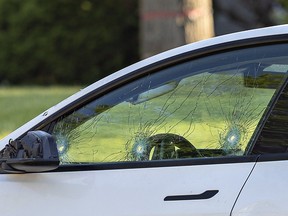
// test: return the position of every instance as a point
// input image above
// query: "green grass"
(20, 104)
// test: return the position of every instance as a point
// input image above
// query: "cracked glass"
(205, 107)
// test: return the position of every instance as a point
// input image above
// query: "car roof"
(220, 40)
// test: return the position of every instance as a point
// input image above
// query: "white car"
(198, 130)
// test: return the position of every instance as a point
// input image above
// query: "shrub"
(66, 41)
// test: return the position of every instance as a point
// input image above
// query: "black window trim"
(272, 157)
(158, 164)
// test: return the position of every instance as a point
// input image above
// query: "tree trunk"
(165, 24)
(159, 30)
(199, 20)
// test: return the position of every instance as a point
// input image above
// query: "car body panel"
(266, 192)
(125, 192)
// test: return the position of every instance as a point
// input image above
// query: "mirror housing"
(35, 152)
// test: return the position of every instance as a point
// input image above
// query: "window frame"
(116, 83)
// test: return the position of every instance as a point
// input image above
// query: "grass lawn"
(20, 104)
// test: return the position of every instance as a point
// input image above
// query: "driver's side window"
(207, 107)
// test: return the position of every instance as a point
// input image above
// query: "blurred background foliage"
(65, 41)
(76, 42)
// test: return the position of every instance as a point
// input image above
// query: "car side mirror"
(35, 152)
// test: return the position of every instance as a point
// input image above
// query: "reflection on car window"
(208, 107)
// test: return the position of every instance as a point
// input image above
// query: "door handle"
(205, 195)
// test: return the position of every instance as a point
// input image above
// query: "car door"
(173, 139)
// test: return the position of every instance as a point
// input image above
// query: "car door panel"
(126, 192)
(266, 192)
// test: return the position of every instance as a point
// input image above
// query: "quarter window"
(206, 107)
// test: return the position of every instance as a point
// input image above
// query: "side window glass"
(274, 135)
(206, 107)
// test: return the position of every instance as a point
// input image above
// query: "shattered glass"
(208, 107)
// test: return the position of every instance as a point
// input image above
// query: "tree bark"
(159, 30)
(165, 24)
(199, 20)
